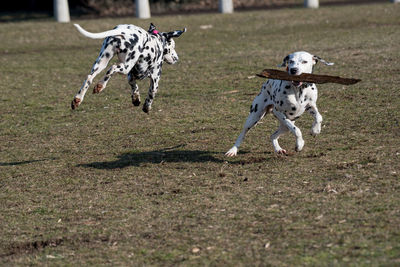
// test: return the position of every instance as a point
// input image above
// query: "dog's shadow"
(172, 154)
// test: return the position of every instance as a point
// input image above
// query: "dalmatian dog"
(140, 54)
(287, 100)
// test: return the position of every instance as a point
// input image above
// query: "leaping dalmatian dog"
(140, 53)
(287, 101)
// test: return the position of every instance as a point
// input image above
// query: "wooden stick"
(306, 77)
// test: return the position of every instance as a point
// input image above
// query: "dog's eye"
(304, 62)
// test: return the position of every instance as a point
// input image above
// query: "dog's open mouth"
(297, 84)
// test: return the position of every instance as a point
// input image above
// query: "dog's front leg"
(154, 79)
(275, 136)
(292, 128)
(316, 127)
(135, 90)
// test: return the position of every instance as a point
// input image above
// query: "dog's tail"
(99, 35)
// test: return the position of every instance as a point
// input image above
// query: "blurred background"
(29, 9)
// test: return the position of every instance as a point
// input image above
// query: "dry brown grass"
(108, 184)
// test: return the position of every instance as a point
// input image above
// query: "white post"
(61, 10)
(142, 9)
(225, 6)
(311, 3)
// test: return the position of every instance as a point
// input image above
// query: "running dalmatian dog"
(287, 101)
(140, 54)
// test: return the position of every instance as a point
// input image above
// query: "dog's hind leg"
(135, 90)
(127, 61)
(100, 64)
(257, 111)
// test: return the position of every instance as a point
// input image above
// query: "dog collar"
(155, 32)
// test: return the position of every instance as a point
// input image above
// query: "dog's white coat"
(287, 101)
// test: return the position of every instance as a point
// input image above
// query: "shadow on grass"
(171, 154)
(15, 163)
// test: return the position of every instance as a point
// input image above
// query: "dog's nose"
(293, 71)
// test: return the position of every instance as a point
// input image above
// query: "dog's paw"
(75, 103)
(232, 152)
(282, 152)
(146, 108)
(299, 145)
(135, 101)
(315, 130)
(98, 88)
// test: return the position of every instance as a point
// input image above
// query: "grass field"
(109, 184)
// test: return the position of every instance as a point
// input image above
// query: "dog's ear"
(152, 27)
(317, 58)
(284, 62)
(174, 34)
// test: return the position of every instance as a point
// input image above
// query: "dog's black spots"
(106, 78)
(107, 55)
(284, 92)
(251, 108)
(147, 58)
(287, 86)
(280, 84)
(281, 103)
(122, 32)
(265, 100)
(268, 93)
(293, 108)
(134, 40)
(295, 118)
(291, 114)
(152, 50)
(255, 108)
